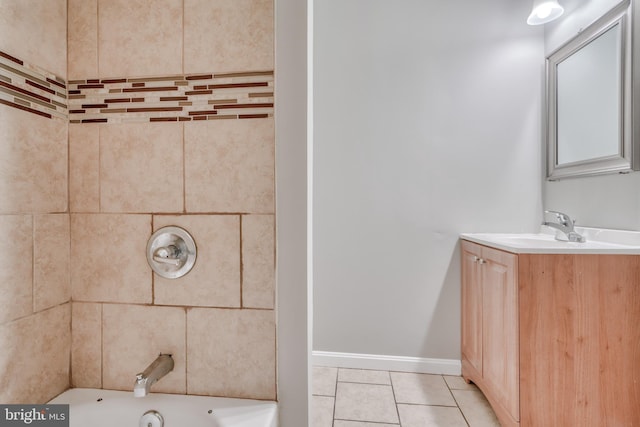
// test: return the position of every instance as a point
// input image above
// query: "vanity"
(551, 330)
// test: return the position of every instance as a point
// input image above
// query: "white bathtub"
(109, 408)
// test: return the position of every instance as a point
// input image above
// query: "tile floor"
(366, 398)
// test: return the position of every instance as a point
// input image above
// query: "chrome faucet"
(158, 369)
(565, 225)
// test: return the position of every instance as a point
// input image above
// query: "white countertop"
(598, 241)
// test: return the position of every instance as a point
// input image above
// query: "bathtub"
(109, 408)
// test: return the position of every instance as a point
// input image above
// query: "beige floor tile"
(364, 376)
(324, 381)
(365, 402)
(421, 389)
(343, 423)
(458, 383)
(430, 416)
(476, 408)
(322, 411)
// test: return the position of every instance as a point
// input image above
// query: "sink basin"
(598, 241)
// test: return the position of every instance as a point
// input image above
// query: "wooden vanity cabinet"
(553, 339)
(490, 327)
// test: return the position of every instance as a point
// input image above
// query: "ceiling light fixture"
(544, 11)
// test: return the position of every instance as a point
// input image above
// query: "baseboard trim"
(387, 363)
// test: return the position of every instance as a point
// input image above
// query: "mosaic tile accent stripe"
(172, 98)
(32, 89)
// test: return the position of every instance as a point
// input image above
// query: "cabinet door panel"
(471, 305)
(500, 328)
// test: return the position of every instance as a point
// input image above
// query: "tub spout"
(158, 369)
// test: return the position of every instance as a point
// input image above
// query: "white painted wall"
(610, 201)
(427, 124)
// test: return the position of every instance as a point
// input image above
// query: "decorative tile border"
(32, 89)
(187, 97)
(172, 98)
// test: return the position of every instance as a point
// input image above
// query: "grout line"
(395, 400)
(241, 263)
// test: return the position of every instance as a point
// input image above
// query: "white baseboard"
(387, 363)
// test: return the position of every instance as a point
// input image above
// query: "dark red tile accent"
(151, 89)
(253, 116)
(57, 83)
(234, 85)
(74, 92)
(174, 98)
(75, 121)
(200, 118)
(138, 84)
(26, 92)
(23, 108)
(244, 74)
(46, 89)
(202, 113)
(93, 80)
(200, 87)
(112, 100)
(254, 105)
(77, 111)
(137, 99)
(200, 77)
(113, 81)
(77, 96)
(184, 119)
(199, 92)
(163, 119)
(91, 86)
(94, 121)
(94, 105)
(152, 109)
(11, 58)
(76, 82)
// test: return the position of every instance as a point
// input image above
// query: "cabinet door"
(500, 368)
(471, 305)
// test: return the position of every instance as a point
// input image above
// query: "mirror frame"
(628, 157)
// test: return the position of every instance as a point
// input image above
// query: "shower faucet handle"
(171, 255)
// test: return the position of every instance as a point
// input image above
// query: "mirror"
(589, 100)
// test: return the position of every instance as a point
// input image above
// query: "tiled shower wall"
(35, 325)
(130, 175)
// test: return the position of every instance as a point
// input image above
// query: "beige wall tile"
(86, 345)
(229, 166)
(109, 260)
(84, 168)
(141, 167)
(139, 37)
(228, 35)
(214, 280)
(36, 32)
(16, 267)
(258, 261)
(82, 39)
(51, 261)
(231, 353)
(33, 162)
(34, 362)
(129, 350)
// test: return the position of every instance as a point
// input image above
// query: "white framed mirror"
(590, 98)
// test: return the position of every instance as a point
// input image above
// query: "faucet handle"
(562, 218)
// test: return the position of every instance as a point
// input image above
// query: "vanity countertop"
(598, 241)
